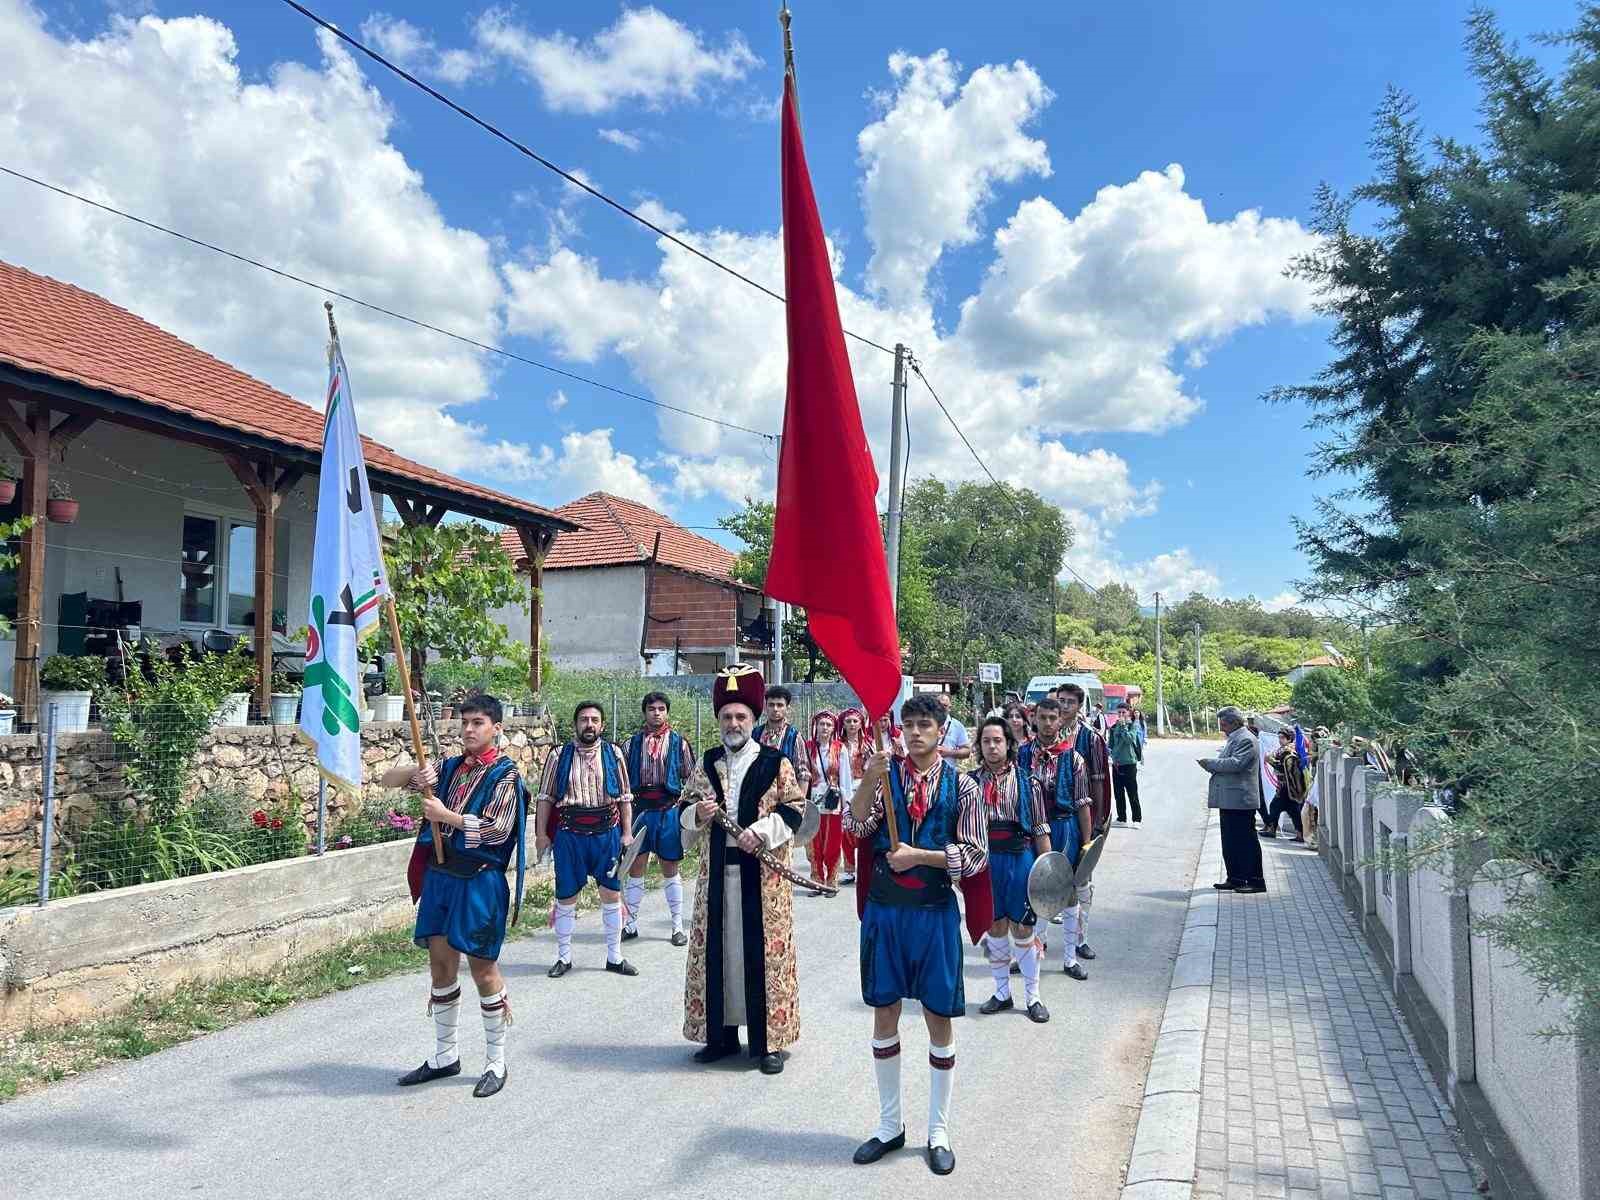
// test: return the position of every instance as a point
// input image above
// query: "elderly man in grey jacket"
(1235, 792)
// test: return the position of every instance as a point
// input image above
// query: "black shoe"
(871, 1150)
(772, 1064)
(1266, 833)
(1075, 971)
(488, 1084)
(622, 967)
(1038, 1013)
(995, 1005)
(1084, 951)
(1016, 968)
(1251, 889)
(716, 1051)
(1227, 885)
(629, 934)
(680, 938)
(426, 1074)
(941, 1160)
(558, 968)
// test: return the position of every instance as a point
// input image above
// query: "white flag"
(348, 586)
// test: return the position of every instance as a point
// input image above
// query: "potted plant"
(285, 698)
(8, 713)
(69, 684)
(8, 482)
(238, 674)
(60, 507)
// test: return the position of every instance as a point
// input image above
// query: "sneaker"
(1075, 971)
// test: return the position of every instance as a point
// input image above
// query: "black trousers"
(1282, 804)
(1241, 849)
(1125, 783)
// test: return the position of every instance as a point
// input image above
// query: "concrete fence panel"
(1393, 810)
(1441, 954)
(1531, 1082)
(1349, 841)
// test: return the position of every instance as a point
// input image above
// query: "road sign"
(988, 672)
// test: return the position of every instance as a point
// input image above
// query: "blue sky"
(1076, 215)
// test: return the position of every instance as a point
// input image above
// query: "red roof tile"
(616, 531)
(56, 329)
(1073, 659)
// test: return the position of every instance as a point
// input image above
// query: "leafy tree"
(752, 525)
(1461, 398)
(1332, 697)
(447, 580)
(1117, 608)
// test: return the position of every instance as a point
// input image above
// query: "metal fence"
(157, 799)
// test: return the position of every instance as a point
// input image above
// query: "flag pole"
(394, 636)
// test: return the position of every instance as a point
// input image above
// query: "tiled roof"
(1073, 659)
(615, 531)
(1321, 660)
(53, 328)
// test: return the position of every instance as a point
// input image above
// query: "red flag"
(827, 548)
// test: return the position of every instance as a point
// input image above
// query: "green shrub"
(67, 673)
(114, 852)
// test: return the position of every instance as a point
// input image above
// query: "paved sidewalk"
(1311, 1086)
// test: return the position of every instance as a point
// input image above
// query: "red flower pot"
(62, 512)
(8, 490)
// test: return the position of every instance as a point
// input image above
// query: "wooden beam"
(69, 429)
(248, 477)
(264, 484)
(402, 505)
(32, 437)
(536, 541)
(432, 514)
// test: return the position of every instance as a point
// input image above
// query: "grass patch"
(45, 1054)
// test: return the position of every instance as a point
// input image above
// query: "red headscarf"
(829, 754)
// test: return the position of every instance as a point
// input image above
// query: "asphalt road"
(602, 1097)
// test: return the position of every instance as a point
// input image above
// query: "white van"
(1091, 685)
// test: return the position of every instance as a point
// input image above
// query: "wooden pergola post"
(265, 484)
(31, 433)
(536, 543)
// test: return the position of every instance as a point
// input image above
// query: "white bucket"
(72, 710)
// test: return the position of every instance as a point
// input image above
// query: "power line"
(576, 181)
(917, 367)
(377, 308)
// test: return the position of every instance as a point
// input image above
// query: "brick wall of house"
(691, 611)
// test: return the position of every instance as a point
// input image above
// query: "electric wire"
(576, 181)
(377, 308)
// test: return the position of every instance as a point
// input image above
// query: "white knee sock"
(635, 898)
(611, 917)
(1085, 903)
(674, 892)
(1027, 953)
(496, 1010)
(1069, 933)
(444, 1005)
(886, 1066)
(566, 918)
(1000, 965)
(942, 1071)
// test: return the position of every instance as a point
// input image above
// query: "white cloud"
(296, 167)
(558, 401)
(621, 137)
(932, 160)
(414, 49)
(646, 56)
(1282, 601)
(588, 462)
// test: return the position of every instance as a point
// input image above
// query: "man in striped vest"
(586, 808)
(660, 762)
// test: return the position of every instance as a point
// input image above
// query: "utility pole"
(897, 472)
(1161, 699)
(1366, 650)
(1197, 666)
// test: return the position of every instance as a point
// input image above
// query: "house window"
(197, 588)
(219, 572)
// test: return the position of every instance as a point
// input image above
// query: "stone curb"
(1166, 1140)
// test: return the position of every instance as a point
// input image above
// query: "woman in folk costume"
(857, 748)
(741, 944)
(830, 776)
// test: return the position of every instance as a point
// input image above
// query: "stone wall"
(263, 762)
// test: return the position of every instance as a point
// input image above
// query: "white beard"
(734, 742)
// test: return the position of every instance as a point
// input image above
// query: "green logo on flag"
(337, 708)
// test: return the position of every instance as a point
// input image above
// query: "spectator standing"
(1127, 753)
(1235, 792)
(955, 745)
(1291, 787)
